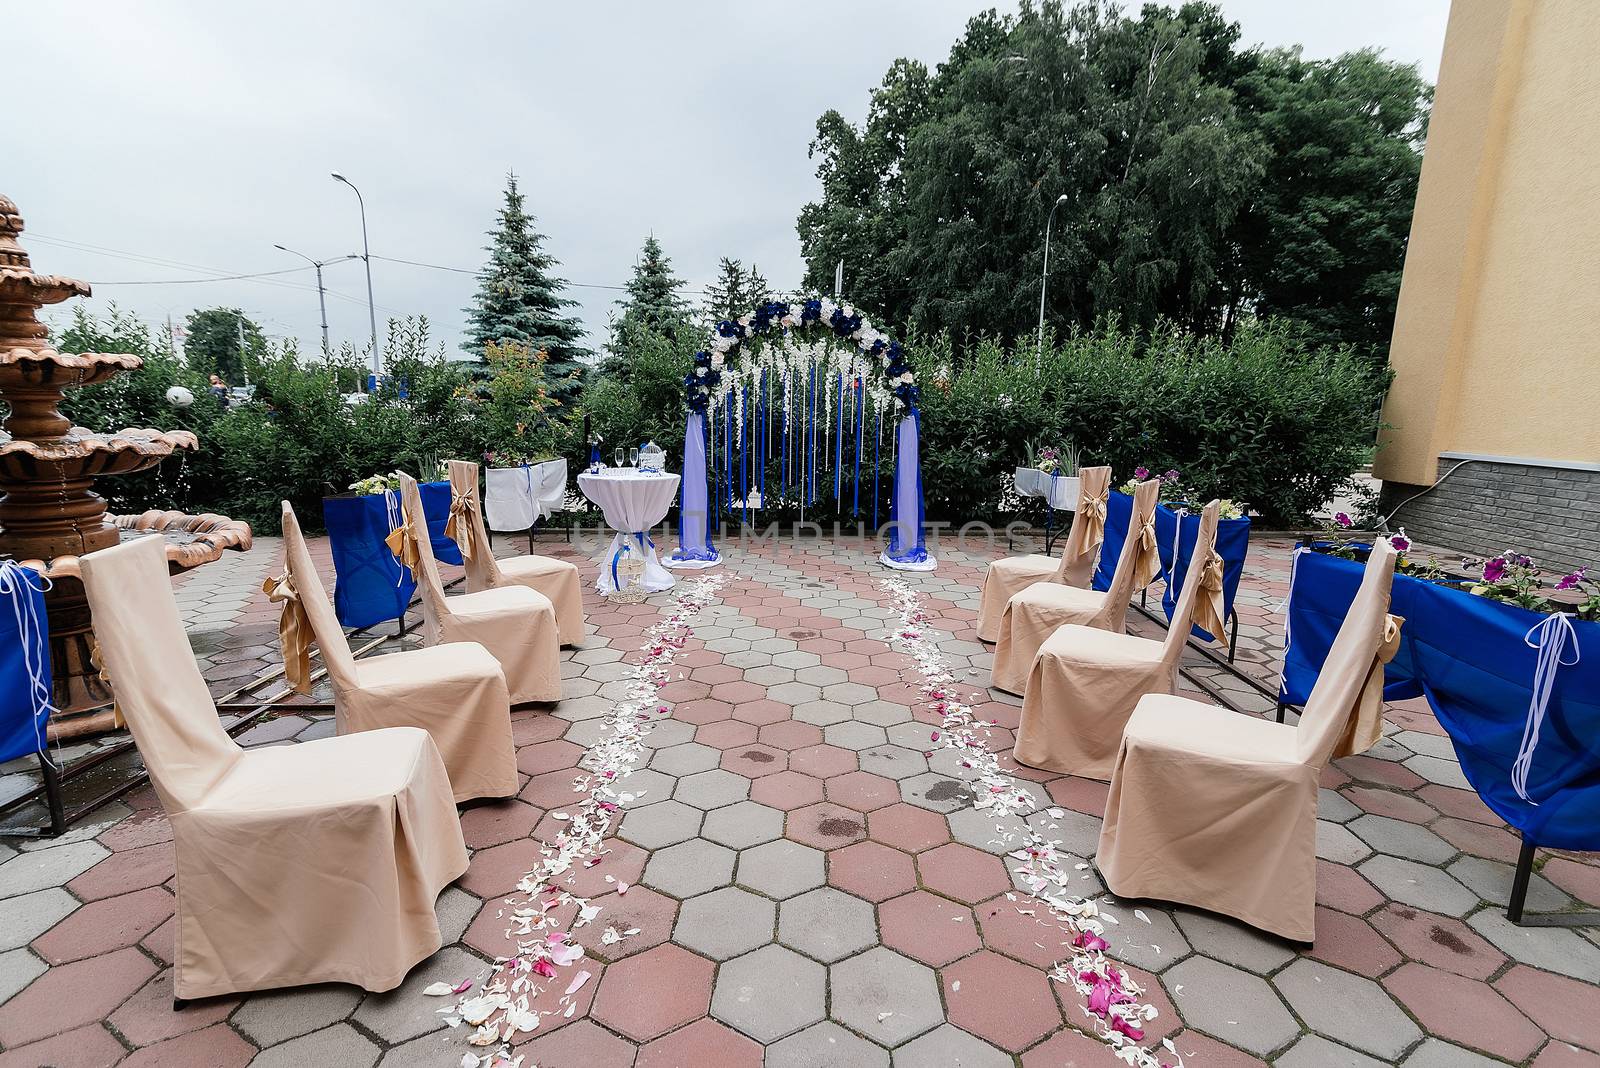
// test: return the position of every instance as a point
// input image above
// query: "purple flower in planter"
(1524, 561)
(1141, 473)
(1400, 542)
(1343, 519)
(1170, 476)
(1494, 569)
(1571, 581)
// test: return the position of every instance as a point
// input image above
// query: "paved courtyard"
(810, 885)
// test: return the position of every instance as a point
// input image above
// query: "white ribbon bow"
(1553, 635)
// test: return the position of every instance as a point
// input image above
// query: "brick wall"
(1550, 513)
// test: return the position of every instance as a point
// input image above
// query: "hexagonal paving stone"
(690, 868)
(1554, 949)
(1001, 1001)
(704, 1042)
(872, 871)
(662, 824)
(826, 1045)
(1346, 1007)
(712, 789)
(992, 833)
(1232, 942)
(743, 825)
(893, 761)
(1419, 885)
(928, 928)
(686, 758)
(862, 791)
(963, 873)
(340, 1044)
(1229, 1004)
(1336, 842)
(1313, 1051)
(754, 761)
(640, 909)
(882, 713)
(826, 924)
(403, 1013)
(770, 993)
(1464, 1011)
(826, 826)
(949, 1047)
(907, 827)
(822, 713)
(724, 923)
(854, 735)
(889, 998)
(789, 735)
(936, 792)
(823, 761)
(781, 869)
(652, 993)
(786, 790)
(1492, 882)
(1441, 941)
(1401, 839)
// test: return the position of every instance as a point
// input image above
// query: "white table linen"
(633, 502)
(514, 498)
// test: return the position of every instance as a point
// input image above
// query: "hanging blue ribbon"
(855, 505)
(838, 448)
(875, 492)
(642, 538)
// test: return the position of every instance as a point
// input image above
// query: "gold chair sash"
(294, 631)
(1147, 561)
(460, 527)
(1207, 613)
(402, 542)
(1092, 514)
(1365, 723)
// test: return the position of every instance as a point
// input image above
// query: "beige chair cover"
(515, 623)
(310, 863)
(1011, 575)
(556, 579)
(457, 692)
(1218, 810)
(1034, 613)
(1086, 682)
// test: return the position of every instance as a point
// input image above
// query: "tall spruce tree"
(756, 288)
(520, 299)
(652, 306)
(729, 296)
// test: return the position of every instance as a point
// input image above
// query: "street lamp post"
(322, 298)
(366, 255)
(1044, 276)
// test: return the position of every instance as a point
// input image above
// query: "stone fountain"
(50, 514)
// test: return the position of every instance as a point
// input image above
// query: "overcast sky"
(200, 135)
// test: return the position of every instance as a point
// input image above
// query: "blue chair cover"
(1233, 542)
(1470, 658)
(370, 585)
(24, 663)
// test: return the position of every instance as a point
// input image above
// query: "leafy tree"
(729, 295)
(515, 414)
(652, 305)
(1184, 167)
(520, 300)
(1323, 238)
(213, 344)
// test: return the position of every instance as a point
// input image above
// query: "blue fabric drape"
(694, 525)
(24, 663)
(371, 586)
(1233, 542)
(1470, 658)
(905, 507)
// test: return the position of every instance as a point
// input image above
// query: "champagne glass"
(633, 456)
(618, 455)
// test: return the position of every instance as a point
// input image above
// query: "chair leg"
(1282, 708)
(1519, 899)
(179, 1004)
(1233, 636)
(52, 796)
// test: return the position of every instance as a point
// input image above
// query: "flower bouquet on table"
(1175, 494)
(376, 484)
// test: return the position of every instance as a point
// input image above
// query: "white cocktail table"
(633, 502)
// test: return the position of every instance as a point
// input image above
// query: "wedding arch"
(787, 399)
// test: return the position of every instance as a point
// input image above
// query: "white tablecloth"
(633, 503)
(515, 497)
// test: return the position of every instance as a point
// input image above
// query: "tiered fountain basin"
(50, 515)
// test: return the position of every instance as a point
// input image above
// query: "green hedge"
(1263, 419)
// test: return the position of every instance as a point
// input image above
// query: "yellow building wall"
(1496, 346)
